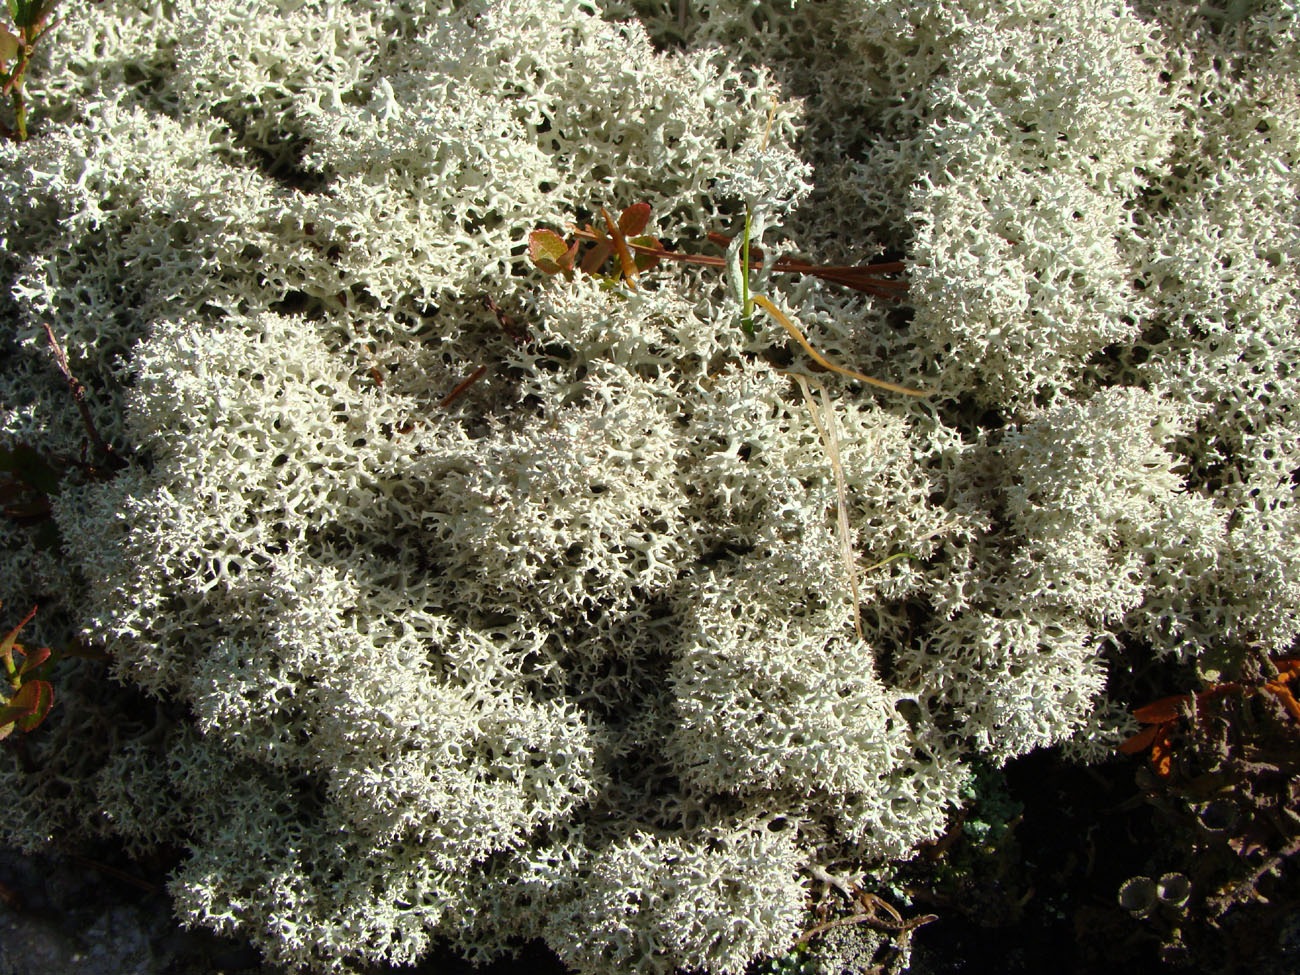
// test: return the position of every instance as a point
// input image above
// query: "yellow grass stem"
(793, 329)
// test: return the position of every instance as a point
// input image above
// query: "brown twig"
(110, 459)
(871, 905)
(871, 916)
(863, 277)
(474, 377)
(507, 322)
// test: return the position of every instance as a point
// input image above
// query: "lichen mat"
(573, 656)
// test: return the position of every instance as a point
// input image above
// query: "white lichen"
(573, 655)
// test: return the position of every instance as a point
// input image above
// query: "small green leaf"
(548, 251)
(21, 12)
(28, 13)
(42, 694)
(9, 46)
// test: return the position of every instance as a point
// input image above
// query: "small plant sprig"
(29, 695)
(1162, 717)
(31, 18)
(553, 255)
(28, 698)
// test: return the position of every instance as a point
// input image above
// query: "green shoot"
(746, 304)
(747, 319)
(30, 18)
(31, 699)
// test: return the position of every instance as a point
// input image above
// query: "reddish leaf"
(44, 701)
(548, 251)
(633, 220)
(34, 658)
(597, 256)
(27, 708)
(1165, 709)
(1141, 741)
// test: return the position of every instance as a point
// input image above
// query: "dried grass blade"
(790, 327)
(830, 440)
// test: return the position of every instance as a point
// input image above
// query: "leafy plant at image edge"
(30, 18)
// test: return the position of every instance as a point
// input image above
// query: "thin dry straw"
(793, 329)
(831, 440)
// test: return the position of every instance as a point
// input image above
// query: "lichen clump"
(573, 655)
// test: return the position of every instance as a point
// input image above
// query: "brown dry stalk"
(109, 458)
(464, 384)
(868, 278)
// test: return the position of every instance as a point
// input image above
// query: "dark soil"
(1025, 882)
(1045, 899)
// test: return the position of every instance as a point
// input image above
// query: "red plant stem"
(863, 277)
(465, 384)
(110, 459)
